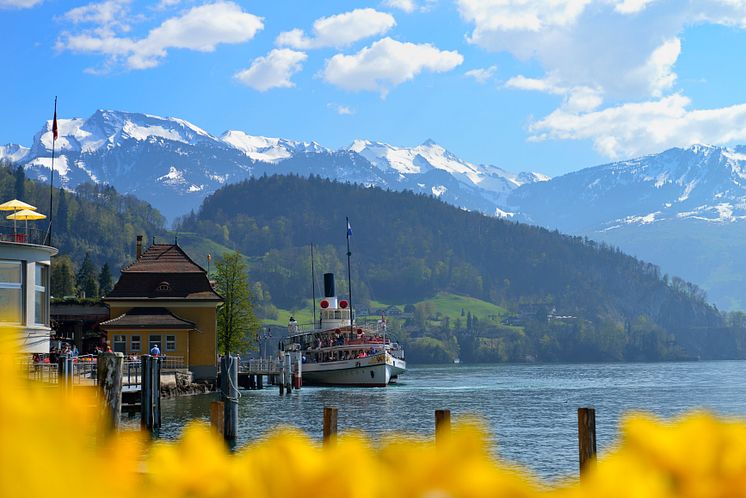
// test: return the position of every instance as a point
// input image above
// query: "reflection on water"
(530, 410)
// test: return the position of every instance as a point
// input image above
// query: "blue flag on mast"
(349, 229)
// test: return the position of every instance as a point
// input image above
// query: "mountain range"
(682, 209)
(174, 164)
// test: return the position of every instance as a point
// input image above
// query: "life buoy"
(343, 304)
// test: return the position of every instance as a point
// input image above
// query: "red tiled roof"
(164, 258)
(163, 272)
(150, 318)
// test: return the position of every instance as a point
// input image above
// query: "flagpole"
(313, 287)
(349, 274)
(51, 169)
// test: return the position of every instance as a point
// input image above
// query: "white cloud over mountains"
(615, 53)
(387, 63)
(339, 30)
(645, 127)
(273, 71)
(200, 29)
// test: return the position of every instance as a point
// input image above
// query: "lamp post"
(265, 337)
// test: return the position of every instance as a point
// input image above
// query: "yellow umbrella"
(16, 205)
(25, 214)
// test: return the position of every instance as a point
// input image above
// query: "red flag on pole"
(55, 132)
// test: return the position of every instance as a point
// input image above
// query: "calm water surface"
(530, 410)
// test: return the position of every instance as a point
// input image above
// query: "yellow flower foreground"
(53, 445)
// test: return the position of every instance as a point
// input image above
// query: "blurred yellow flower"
(54, 444)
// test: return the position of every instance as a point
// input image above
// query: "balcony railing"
(20, 234)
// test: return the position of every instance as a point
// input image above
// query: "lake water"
(530, 410)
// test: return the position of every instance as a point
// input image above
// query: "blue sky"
(525, 85)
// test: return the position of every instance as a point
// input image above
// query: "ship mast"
(313, 288)
(349, 275)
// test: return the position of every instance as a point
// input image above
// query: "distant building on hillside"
(24, 291)
(165, 298)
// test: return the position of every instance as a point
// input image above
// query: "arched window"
(163, 287)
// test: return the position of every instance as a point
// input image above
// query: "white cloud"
(19, 4)
(272, 71)
(645, 127)
(613, 65)
(546, 85)
(481, 74)
(339, 30)
(340, 109)
(407, 6)
(632, 6)
(387, 63)
(200, 29)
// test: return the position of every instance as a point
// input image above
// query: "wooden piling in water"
(442, 423)
(150, 392)
(217, 422)
(230, 394)
(586, 437)
(109, 376)
(330, 424)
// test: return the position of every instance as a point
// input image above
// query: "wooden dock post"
(259, 381)
(109, 377)
(442, 423)
(330, 424)
(586, 437)
(150, 392)
(229, 394)
(146, 398)
(156, 391)
(216, 417)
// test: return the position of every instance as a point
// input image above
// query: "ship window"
(338, 315)
(164, 287)
(170, 343)
(135, 343)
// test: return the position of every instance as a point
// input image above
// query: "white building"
(24, 293)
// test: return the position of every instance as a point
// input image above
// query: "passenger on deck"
(292, 326)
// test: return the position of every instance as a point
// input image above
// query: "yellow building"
(165, 299)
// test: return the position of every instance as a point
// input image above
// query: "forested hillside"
(93, 221)
(408, 247)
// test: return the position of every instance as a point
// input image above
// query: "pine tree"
(63, 277)
(104, 280)
(20, 177)
(63, 212)
(86, 278)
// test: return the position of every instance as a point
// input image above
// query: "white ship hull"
(372, 371)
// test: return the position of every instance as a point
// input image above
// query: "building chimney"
(138, 252)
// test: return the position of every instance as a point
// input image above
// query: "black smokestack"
(329, 285)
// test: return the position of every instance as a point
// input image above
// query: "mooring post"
(288, 373)
(442, 423)
(586, 437)
(259, 381)
(65, 371)
(229, 394)
(217, 409)
(155, 391)
(330, 424)
(146, 397)
(109, 376)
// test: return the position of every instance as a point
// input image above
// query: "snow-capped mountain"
(705, 183)
(174, 164)
(683, 210)
(429, 156)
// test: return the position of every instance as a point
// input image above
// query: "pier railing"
(83, 370)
